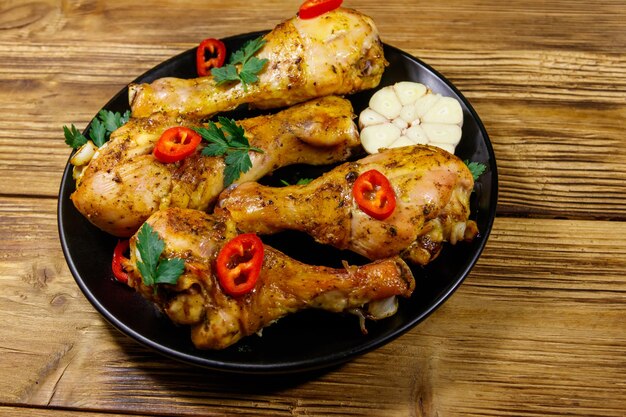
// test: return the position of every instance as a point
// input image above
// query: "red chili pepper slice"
(117, 264)
(176, 143)
(216, 50)
(374, 195)
(314, 8)
(239, 264)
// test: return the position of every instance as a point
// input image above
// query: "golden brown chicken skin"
(124, 184)
(337, 53)
(284, 286)
(432, 189)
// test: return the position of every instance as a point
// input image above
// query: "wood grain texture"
(535, 324)
(51, 412)
(537, 329)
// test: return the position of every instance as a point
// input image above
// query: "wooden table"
(537, 329)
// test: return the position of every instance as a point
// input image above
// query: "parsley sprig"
(73, 137)
(301, 181)
(154, 269)
(101, 128)
(476, 168)
(250, 65)
(228, 140)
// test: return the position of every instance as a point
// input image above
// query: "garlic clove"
(379, 136)
(425, 103)
(408, 91)
(457, 233)
(400, 123)
(370, 117)
(84, 154)
(386, 102)
(77, 172)
(402, 141)
(417, 135)
(409, 115)
(442, 133)
(445, 110)
(381, 309)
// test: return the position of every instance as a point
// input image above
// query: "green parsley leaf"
(228, 140)
(73, 137)
(217, 141)
(247, 50)
(101, 128)
(153, 269)
(250, 65)
(215, 149)
(97, 132)
(250, 69)
(232, 129)
(476, 168)
(238, 56)
(239, 161)
(169, 270)
(150, 247)
(111, 120)
(225, 74)
(235, 165)
(301, 181)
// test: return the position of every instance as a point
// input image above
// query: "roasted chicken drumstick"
(432, 189)
(284, 285)
(337, 53)
(124, 184)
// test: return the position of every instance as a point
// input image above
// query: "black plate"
(310, 339)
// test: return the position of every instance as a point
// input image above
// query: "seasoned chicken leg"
(337, 53)
(432, 189)
(284, 286)
(124, 184)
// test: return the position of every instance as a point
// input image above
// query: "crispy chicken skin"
(432, 190)
(124, 184)
(284, 286)
(339, 53)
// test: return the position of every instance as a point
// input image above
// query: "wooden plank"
(457, 24)
(553, 164)
(536, 329)
(487, 26)
(51, 412)
(43, 311)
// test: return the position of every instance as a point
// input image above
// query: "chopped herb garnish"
(101, 128)
(154, 269)
(249, 68)
(112, 121)
(73, 137)
(228, 140)
(476, 168)
(98, 132)
(301, 181)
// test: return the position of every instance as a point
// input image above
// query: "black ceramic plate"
(310, 339)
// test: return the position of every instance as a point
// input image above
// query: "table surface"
(537, 329)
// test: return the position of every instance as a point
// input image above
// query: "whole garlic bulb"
(409, 113)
